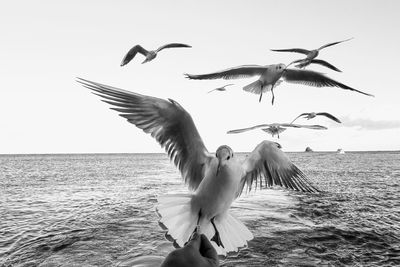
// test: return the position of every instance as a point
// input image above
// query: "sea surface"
(99, 210)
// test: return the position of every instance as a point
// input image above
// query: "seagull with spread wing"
(270, 76)
(215, 180)
(150, 55)
(311, 115)
(277, 128)
(311, 55)
(222, 88)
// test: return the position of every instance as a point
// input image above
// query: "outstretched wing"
(334, 43)
(313, 127)
(167, 121)
(330, 116)
(316, 79)
(248, 129)
(294, 50)
(172, 45)
(132, 53)
(325, 64)
(302, 114)
(268, 166)
(244, 71)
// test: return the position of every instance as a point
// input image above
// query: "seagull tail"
(233, 233)
(257, 88)
(177, 216)
(180, 218)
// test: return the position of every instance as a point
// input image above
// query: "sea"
(99, 210)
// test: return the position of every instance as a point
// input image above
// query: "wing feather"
(325, 64)
(294, 50)
(269, 164)
(132, 53)
(244, 71)
(172, 45)
(334, 43)
(168, 122)
(328, 115)
(316, 79)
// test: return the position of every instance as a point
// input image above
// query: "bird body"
(270, 77)
(150, 55)
(214, 181)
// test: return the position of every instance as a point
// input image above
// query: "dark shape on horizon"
(311, 115)
(270, 78)
(222, 88)
(308, 149)
(311, 55)
(150, 55)
(276, 128)
(215, 179)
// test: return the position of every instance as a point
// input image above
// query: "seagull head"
(224, 153)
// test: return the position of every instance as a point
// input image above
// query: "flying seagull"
(312, 115)
(215, 180)
(270, 76)
(311, 55)
(277, 128)
(223, 88)
(150, 55)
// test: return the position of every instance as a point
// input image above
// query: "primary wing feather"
(132, 53)
(316, 79)
(325, 64)
(334, 43)
(244, 71)
(248, 129)
(172, 45)
(269, 165)
(168, 122)
(330, 116)
(294, 50)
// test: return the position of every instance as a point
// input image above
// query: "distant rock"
(308, 149)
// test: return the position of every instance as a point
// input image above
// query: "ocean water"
(98, 210)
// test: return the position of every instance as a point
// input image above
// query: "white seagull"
(270, 76)
(215, 180)
(311, 55)
(277, 128)
(150, 55)
(311, 115)
(222, 88)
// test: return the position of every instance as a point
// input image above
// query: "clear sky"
(44, 45)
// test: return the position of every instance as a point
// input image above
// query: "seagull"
(276, 128)
(214, 180)
(312, 115)
(223, 88)
(311, 55)
(270, 76)
(150, 55)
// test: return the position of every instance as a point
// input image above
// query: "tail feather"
(233, 233)
(179, 217)
(257, 87)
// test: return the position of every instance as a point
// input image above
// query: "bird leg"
(259, 100)
(197, 229)
(273, 96)
(216, 238)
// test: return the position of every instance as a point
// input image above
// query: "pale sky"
(44, 45)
